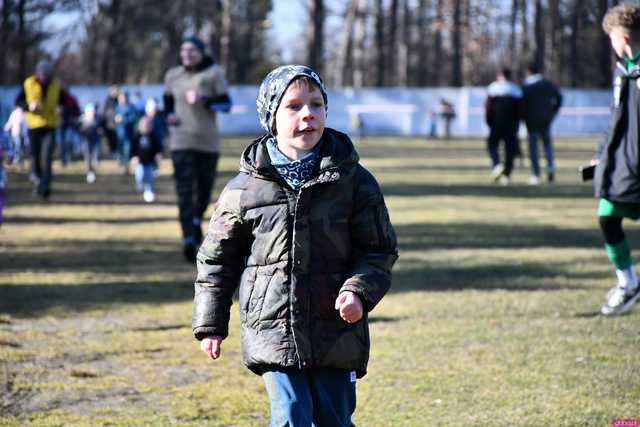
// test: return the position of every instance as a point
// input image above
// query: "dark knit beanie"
(199, 44)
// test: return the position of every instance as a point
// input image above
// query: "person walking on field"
(617, 160)
(42, 97)
(303, 230)
(542, 101)
(502, 113)
(195, 91)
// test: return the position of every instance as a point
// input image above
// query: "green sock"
(619, 254)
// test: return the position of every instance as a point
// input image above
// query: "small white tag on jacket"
(353, 376)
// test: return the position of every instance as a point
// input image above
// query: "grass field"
(492, 319)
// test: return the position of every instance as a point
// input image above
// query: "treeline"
(352, 43)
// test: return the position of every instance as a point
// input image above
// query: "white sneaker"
(504, 180)
(620, 300)
(534, 180)
(91, 177)
(497, 171)
(148, 196)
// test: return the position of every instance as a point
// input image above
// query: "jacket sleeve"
(487, 111)
(374, 244)
(558, 100)
(220, 262)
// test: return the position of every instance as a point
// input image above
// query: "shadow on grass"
(488, 190)
(67, 220)
(488, 236)
(103, 257)
(111, 189)
(37, 300)
(523, 276)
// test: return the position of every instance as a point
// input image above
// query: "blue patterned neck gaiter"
(294, 172)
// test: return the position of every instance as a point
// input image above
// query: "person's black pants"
(510, 137)
(43, 145)
(194, 173)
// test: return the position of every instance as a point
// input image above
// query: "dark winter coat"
(617, 175)
(503, 107)
(542, 100)
(292, 253)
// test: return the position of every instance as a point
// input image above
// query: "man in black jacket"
(502, 113)
(542, 100)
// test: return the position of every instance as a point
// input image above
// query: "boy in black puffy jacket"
(304, 231)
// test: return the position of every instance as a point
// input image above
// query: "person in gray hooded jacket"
(304, 231)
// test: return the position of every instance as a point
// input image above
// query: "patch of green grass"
(491, 321)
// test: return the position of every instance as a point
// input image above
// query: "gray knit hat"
(275, 85)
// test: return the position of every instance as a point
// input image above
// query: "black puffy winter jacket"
(292, 252)
(617, 175)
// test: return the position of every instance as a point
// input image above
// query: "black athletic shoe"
(550, 177)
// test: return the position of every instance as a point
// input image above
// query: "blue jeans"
(144, 176)
(545, 135)
(321, 397)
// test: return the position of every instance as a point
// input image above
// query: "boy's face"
(300, 120)
(619, 41)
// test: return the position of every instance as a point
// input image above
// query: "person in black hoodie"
(502, 113)
(542, 101)
(616, 178)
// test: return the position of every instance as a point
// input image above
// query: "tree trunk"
(315, 40)
(5, 41)
(605, 48)
(113, 12)
(345, 44)
(555, 40)
(226, 38)
(403, 47)
(512, 25)
(539, 36)
(524, 31)
(392, 45)
(437, 43)
(380, 43)
(359, 39)
(21, 40)
(245, 60)
(456, 37)
(575, 70)
(423, 48)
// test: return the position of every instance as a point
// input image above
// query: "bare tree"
(424, 34)
(391, 47)
(345, 44)
(315, 38)
(539, 30)
(380, 44)
(359, 40)
(605, 50)
(437, 42)
(456, 37)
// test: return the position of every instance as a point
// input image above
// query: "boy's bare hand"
(349, 306)
(211, 346)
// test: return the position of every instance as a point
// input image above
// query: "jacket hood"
(337, 151)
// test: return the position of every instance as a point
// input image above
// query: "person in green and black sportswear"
(617, 178)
